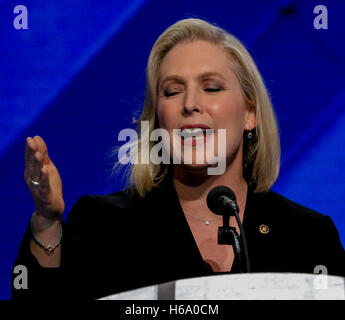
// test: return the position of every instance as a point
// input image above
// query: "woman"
(160, 228)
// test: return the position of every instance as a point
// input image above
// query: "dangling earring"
(249, 135)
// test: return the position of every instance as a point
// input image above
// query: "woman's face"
(197, 88)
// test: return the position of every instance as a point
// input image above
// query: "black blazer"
(120, 241)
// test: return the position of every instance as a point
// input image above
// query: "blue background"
(76, 77)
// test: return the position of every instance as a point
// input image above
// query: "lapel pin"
(264, 229)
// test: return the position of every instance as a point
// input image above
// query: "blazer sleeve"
(44, 282)
(334, 251)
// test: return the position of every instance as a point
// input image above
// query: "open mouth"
(194, 135)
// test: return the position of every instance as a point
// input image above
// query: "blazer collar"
(257, 214)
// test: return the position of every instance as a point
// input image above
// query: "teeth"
(197, 131)
(191, 138)
(192, 132)
(186, 131)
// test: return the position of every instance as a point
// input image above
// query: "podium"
(244, 286)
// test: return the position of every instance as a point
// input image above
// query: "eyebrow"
(200, 76)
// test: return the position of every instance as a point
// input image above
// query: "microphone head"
(214, 198)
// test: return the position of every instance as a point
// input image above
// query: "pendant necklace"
(207, 222)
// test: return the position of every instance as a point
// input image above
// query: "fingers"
(36, 171)
(44, 181)
(30, 148)
(34, 158)
(38, 175)
(42, 148)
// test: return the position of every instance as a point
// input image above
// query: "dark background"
(76, 78)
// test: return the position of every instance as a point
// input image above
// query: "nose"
(192, 102)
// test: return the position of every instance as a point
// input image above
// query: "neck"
(193, 186)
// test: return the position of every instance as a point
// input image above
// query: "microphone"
(221, 200)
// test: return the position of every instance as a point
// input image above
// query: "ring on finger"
(34, 182)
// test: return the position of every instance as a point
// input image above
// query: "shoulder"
(291, 219)
(121, 200)
(95, 209)
(278, 205)
(287, 215)
(293, 207)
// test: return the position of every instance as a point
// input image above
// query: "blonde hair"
(261, 154)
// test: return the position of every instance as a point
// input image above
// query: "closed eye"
(170, 94)
(212, 89)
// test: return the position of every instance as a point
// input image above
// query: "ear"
(250, 120)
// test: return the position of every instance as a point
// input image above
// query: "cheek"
(227, 114)
(166, 116)
(162, 115)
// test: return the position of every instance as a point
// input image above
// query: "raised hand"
(43, 179)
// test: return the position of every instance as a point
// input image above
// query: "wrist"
(42, 222)
(49, 231)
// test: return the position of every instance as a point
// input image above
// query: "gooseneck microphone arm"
(232, 205)
(222, 201)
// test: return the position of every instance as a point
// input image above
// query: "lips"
(193, 133)
(195, 125)
(190, 130)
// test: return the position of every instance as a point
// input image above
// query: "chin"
(194, 167)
